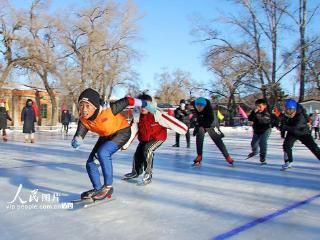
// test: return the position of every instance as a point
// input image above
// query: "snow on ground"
(214, 201)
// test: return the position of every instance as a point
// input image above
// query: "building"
(16, 96)
(311, 105)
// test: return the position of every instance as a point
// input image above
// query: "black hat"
(182, 101)
(90, 95)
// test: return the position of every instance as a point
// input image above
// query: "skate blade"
(79, 200)
(142, 183)
(87, 203)
(131, 180)
(98, 202)
(284, 169)
(196, 165)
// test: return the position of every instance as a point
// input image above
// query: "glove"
(149, 106)
(76, 142)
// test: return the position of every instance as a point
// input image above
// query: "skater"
(28, 117)
(114, 132)
(262, 123)
(182, 114)
(4, 116)
(65, 120)
(315, 124)
(295, 123)
(152, 132)
(206, 121)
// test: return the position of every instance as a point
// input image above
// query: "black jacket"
(65, 118)
(261, 121)
(182, 115)
(298, 125)
(3, 118)
(207, 118)
(28, 117)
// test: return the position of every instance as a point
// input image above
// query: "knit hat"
(91, 96)
(291, 104)
(200, 102)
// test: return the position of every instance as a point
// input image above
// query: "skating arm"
(81, 130)
(263, 118)
(121, 104)
(299, 129)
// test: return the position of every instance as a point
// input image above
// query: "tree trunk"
(302, 16)
(54, 105)
(39, 107)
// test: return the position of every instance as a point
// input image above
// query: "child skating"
(295, 123)
(113, 130)
(152, 132)
(262, 123)
(207, 122)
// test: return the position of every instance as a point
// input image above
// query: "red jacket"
(149, 129)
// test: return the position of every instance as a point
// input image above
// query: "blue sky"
(166, 41)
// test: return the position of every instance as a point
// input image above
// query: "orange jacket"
(106, 123)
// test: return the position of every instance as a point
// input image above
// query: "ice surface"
(182, 202)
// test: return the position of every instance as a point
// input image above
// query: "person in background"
(315, 124)
(4, 116)
(28, 117)
(65, 120)
(183, 114)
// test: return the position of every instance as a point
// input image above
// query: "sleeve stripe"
(175, 123)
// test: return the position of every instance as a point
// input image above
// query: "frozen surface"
(182, 202)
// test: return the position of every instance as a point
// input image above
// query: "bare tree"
(174, 86)
(99, 42)
(233, 76)
(301, 52)
(11, 22)
(259, 25)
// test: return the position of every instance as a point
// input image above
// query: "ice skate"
(197, 161)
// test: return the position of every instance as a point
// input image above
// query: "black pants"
(316, 133)
(143, 157)
(216, 137)
(307, 140)
(4, 133)
(66, 127)
(187, 138)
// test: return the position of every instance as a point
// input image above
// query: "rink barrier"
(263, 219)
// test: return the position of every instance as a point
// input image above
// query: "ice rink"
(214, 201)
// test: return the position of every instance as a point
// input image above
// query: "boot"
(105, 191)
(147, 178)
(5, 138)
(230, 160)
(88, 194)
(130, 175)
(176, 145)
(32, 141)
(250, 155)
(197, 160)
(286, 166)
(263, 160)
